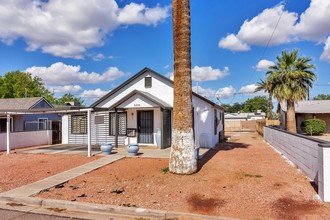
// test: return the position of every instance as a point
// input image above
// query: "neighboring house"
(140, 111)
(26, 122)
(245, 121)
(308, 109)
(245, 116)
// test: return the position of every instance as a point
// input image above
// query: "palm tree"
(182, 158)
(265, 85)
(291, 77)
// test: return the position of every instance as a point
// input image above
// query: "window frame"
(112, 132)
(148, 82)
(44, 122)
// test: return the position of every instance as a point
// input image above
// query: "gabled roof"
(311, 106)
(21, 103)
(146, 95)
(146, 69)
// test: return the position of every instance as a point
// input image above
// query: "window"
(215, 121)
(122, 123)
(42, 123)
(78, 124)
(147, 82)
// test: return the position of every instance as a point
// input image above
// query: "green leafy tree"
(19, 84)
(291, 77)
(322, 97)
(256, 103)
(68, 97)
(236, 107)
(266, 86)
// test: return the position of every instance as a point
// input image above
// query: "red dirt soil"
(20, 169)
(243, 178)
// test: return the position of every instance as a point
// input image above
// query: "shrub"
(313, 126)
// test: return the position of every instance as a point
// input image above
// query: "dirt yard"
(20, 169)
(243, 178)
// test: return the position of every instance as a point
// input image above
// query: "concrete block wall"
(324, 172)
(308, 154)
(299, 150)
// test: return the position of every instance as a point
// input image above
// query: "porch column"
(89, 135)
(116, 128)
(8, 134)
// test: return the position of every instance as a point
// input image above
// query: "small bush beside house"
(313, 126)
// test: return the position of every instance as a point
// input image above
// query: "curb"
(102, 209)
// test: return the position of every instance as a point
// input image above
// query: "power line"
(270, 39)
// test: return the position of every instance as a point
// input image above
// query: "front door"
(145, 127)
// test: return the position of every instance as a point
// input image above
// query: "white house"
(140, 111)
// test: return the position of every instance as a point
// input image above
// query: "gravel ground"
(243, 178)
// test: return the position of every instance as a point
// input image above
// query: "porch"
(145, 151)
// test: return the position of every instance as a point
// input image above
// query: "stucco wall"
(204, 123)
(25, 139)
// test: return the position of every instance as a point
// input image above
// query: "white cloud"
(93, 94)
(314, 22)
(259, 30)
(225, 92)
(62, 74)
(66, 89)
(98, 57)
(231, 42)
(249, 90)
(326, 51)
(264, 64)
(134, 13)
(204, 73)
(68, 28)
(208, 93)
(207, 73)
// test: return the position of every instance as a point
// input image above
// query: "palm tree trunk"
(270, 103)
(182, 157)
(291, 117)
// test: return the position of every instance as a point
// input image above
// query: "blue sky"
(89, 47)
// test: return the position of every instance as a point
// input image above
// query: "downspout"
(8, 134)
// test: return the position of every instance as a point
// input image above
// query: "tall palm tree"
(291, 77)
(182, 158)
(265, 85)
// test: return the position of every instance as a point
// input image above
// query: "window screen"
(78, 124)
(147, 82)
(122, 124)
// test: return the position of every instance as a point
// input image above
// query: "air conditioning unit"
(72, 103)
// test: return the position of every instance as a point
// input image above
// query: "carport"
(63, 110)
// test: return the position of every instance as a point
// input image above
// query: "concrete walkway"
(20, 198)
